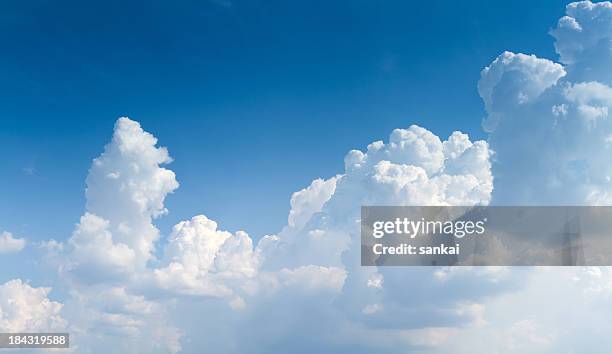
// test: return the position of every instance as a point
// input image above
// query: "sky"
(253, 98)
(189, 178)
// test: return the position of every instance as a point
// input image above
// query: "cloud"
(515, 80)
(27, 309)
(202, 260)
(583, 41)
(104, 318)
(311, 260)
(93, 252)
(9, 244)
(549, 123)
(549, 129)
(105, 262)
(126, 186)
(126, 189)
(309, 200)
(551, 148)
(584, 33)
(414, 167)
(118, 289)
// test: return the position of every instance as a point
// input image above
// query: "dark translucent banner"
(486, 236)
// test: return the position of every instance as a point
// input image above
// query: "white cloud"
(414, 167)
(27, 309)
(583, 41)
(118, 288)
(582, 33)
(105, 263)
(313, 278)
(552, 148)
(93, 252)
(202, 260)
(10, 244)
(513, 80)
(309, 200)
(126, 186)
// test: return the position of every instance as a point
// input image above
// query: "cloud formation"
(10, 244)
(303, 289)
(202, 260)
(119, 288)
(27, 309)
(106, 261)
(548, 122)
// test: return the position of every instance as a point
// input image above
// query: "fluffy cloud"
(27, 309)
(583, 40)
(10, 244)
(202, 260)
(554, 149)
(118, 288)
(515, 80)
(553, 146)
(312, 259)
(309, 201)
(126, 186)
(93, 251)
(414, 167)
(105, 263)
(550, 132)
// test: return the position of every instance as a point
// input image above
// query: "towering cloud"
(127, 186)
(550, 129)
(549, 123)
(105, 261)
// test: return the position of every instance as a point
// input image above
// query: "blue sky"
(253, 99)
